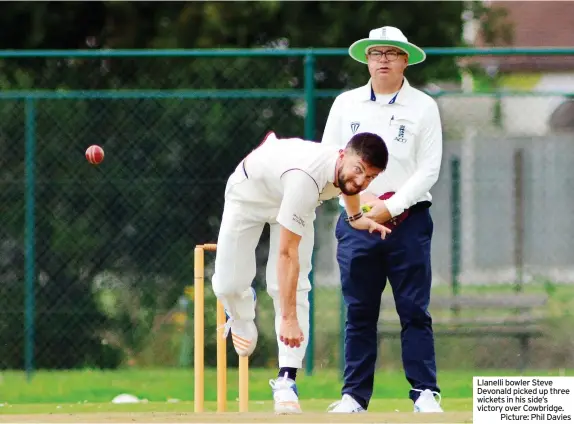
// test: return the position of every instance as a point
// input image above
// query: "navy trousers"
(365, 262)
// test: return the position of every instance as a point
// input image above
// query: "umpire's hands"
(378, 211)
(290, 333)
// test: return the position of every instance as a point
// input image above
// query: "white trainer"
(427, 402)
(347, 405)
(285, 396)
(243, 334)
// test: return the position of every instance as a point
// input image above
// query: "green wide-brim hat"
(386, 36)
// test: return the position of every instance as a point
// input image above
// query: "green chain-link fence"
(96, 262)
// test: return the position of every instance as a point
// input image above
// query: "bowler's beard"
(343, 186)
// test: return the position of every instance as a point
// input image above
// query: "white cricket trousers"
(244, 217)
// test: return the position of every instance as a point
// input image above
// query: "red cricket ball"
(95, 154)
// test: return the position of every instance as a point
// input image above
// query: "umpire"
(409, 122)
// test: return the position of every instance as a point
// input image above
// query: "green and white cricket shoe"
(347, 405)
(427, 401)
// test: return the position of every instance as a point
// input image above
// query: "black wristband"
(354, 217)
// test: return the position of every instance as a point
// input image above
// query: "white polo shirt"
(409, 123)
(287, 176)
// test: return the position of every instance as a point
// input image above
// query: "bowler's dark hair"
(370, 148)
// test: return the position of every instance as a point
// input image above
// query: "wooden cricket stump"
(199, 344)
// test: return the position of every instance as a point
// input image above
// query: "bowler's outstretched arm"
(300, 198)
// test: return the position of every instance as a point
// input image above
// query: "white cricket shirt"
(409, 123)
(290, 176)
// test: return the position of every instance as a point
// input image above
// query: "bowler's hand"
(290, 333)
(378, 212)
(375, 226)
(365, 223)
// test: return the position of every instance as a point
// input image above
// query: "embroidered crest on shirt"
(401, 136)
(355, 126)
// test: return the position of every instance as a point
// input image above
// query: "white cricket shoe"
(347, 405)
(427, 402)
(243, 333)
(285, 396)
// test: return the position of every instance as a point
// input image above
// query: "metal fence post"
(29, 231)
(310, 135)
(518, 162)
(455, 222)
